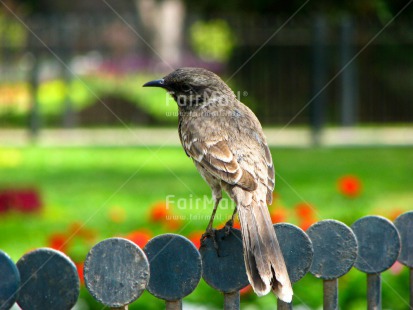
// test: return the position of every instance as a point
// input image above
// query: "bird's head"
(191, 87)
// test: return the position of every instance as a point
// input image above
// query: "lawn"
(94, 193)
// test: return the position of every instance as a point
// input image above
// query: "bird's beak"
(155, 83)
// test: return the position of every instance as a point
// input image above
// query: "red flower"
(304, 210)
(246, 290)
(236, 224)
(58, 241)
(27, 200)
(306, 215)
(140, 238)
(159, 212)
(349, 186)
(24, 200)
(79, 267)
(195, 237)
(4, 201)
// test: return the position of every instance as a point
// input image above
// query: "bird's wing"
(217, 158)
(271, 173)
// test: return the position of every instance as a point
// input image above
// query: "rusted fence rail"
(117, 271)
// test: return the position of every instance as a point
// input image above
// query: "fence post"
(379, 247)
(404, 224)
(223, 265)
(49, 280)
(174, 305)
(349, 86)
(298, 255)
(232, 300)
(34, 120)
(66, 41)
(116, 272)
(374, 291)
(175, 268)
(330, 294)
(335, 251)
(10, 281)
(319, 78)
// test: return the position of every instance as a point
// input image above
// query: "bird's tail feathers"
(264, 261)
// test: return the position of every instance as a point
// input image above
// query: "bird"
(226, 142)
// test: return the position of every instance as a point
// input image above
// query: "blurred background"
(86, 153)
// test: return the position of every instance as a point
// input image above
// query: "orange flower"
(246, 290)
(159, 212)
(79, 267)
(237, 224)
(349, 186)
(195, 237)
(304, 210)
(58, 241)
(304, 224)
(278, 215)
(173, 222)
(140, 238)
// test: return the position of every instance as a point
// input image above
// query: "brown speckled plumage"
(226, 142)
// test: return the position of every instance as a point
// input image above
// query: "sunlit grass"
(82, 184)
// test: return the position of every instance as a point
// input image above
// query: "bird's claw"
(228, 226)
(209, 233)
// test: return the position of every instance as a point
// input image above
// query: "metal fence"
(116, 271)
(312, 70)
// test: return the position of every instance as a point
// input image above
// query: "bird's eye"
(186, 88)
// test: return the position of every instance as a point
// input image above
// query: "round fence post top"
(297, 250)
(49, 280)
(335, 249)
(223, 261)
(404, 224)
(175, 266)
(10, 281)
(379, 243)
(116, 272)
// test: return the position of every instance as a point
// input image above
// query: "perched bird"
(227, 144)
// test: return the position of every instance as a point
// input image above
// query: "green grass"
(84, 185)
